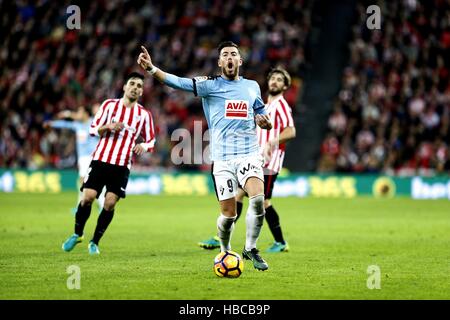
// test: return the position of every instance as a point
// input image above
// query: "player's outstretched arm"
(145, 61)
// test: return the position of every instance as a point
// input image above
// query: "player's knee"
(267, 203)
(254, 187)
(87, 200)
(109, 205)
(229, 211)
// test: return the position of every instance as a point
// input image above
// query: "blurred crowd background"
(391, 114)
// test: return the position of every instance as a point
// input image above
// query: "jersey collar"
(227, 80)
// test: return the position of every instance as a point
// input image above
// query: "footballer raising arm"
(229, 62)
(233, 107)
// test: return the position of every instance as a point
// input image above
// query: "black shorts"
(101, 174)
(269, 181)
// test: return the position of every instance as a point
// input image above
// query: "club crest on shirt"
(236, 109)
(201, 79)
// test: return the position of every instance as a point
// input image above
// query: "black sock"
(103, 222)
(274, 224)
(239, 206)
(81, 217)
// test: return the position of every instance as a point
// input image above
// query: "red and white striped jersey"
(116, 147)
(281, 117)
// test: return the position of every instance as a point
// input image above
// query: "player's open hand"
(263, 121)
(138, 149)
(144, 59)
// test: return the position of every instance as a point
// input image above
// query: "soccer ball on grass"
(228, 264)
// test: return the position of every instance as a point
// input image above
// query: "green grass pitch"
(150, 250)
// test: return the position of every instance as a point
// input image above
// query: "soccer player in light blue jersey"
(233, 107)
(85, 144)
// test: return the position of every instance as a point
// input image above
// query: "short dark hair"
(224, 44)
(286, 76)
(134, 75)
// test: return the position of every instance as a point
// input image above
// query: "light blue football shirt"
(86, 144)
(230, 107)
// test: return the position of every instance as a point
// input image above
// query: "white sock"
(225, 226)
(254, 220)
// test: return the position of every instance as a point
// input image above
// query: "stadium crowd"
(392, 113)
(390, 116)
(46, 67)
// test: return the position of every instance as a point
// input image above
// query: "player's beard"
(274, 91)
(230, 73)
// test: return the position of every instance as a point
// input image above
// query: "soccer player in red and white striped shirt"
(119, 122)
(273, 146)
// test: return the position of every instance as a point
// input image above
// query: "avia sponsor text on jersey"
(236, 109)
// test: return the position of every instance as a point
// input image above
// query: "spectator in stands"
(45, 67)
(395, 94)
